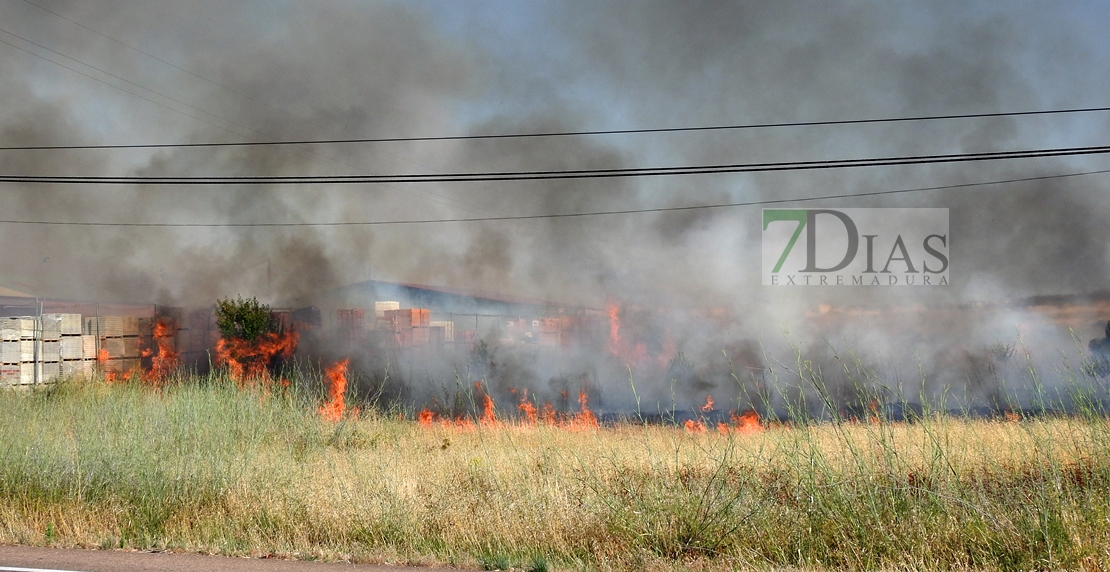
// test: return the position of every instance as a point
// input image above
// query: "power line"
(556, 215)
(570, 133)
(563, 174)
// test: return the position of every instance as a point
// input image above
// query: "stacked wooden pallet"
(195, 333)
(119, 342)
(408, 326)
(441, 332)
(34, 348)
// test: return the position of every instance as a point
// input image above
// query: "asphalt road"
(28, 559)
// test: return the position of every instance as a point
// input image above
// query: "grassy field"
(203, 466)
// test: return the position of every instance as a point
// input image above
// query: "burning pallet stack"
(119, 342)
(39, 349)
(193, 330)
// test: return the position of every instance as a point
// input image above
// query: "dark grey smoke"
(349, 69)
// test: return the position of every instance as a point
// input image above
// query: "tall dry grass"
(199, 465)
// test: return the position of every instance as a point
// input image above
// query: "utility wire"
(562, 174)
(569, 133)
(556, 215)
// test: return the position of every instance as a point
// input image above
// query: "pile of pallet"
(408, 326)
(118, 337)
(39, 349)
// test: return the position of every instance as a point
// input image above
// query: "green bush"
(245, 319)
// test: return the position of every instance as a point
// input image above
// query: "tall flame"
(165, 361)
(584, 419)
(336, 374)
(614, 328)
(531, 415)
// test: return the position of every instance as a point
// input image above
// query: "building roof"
(441, 298)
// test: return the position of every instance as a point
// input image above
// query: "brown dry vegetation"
(202, 466)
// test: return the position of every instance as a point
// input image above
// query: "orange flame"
(747, 422)
(102, 357)
(165, 361)
(332, 410)
(628, 352)
(426, 417)
(248, 361)
(614, 328)
(695, 426)
(489, 417)
(584, 419)
(531, 415)
(708, 404)
(548, 413)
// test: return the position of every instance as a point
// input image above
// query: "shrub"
(245, 319)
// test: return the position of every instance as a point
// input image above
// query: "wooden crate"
(48, 371)
(50, 351)
(112, 326)
(408, 317)
(10, 374)
(446, 329)
(380, 308)
(77, 367)
(121, 347)
(68, 324)
(17, 351)
(71, 347)
(88, 346)
(50, 328)
(18, 328)
(120, 366)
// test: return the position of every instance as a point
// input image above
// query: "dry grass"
(205, 467)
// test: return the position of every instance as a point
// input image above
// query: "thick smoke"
(353, 69)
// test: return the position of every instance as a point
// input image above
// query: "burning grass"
(200, 464)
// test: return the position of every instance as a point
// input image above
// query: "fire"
(614, 328)
(630, 352)
(489, 417)
(332, 410)
(695, 426)
(548, 413)
(250, 360)
(708, 404)
(531, 415)
(102, 361)
(584, 419)
(747, 422)
(165, 361)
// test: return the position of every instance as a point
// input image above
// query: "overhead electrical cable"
(561, 174)
(568, 133)
(763, 202)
